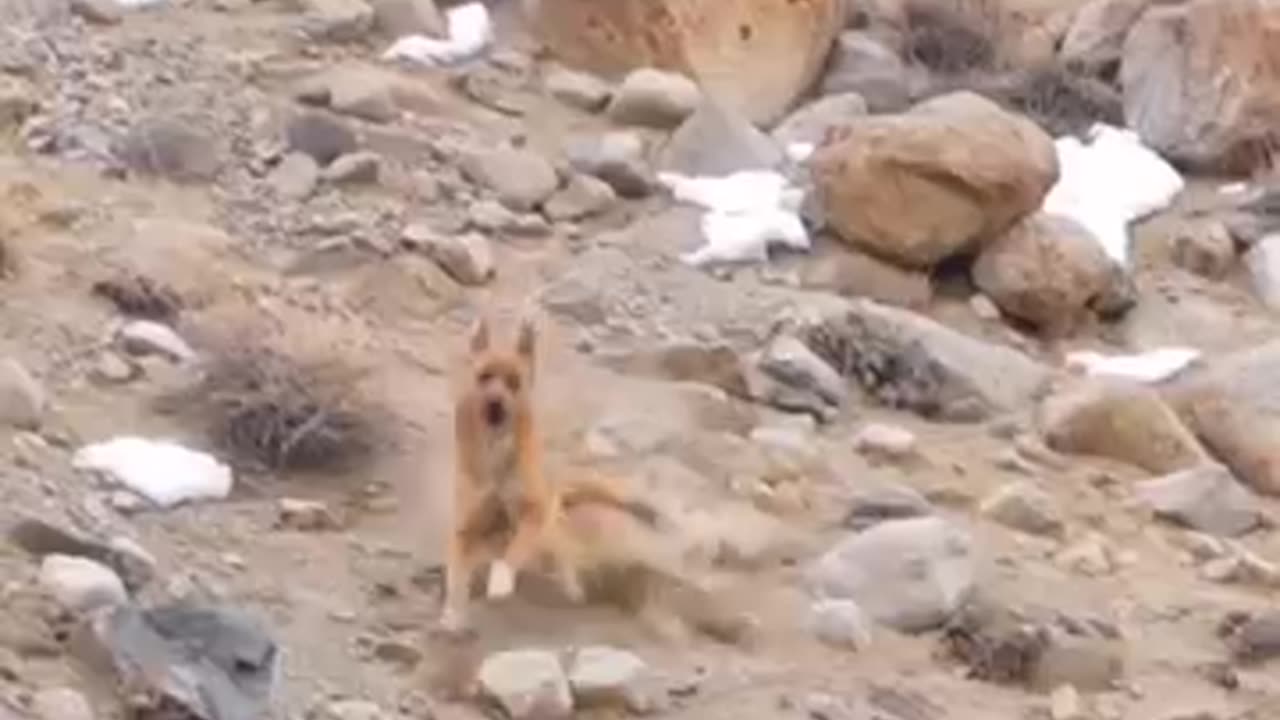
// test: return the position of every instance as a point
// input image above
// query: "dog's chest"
(502, 468)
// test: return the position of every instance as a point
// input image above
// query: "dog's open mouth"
(495, 412)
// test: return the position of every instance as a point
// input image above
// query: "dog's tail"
(588, 490)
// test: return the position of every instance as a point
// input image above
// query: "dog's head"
(499, 382)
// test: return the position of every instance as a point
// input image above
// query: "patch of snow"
(161, 471)
(1110, 182)
(1152, 366)
(470, 33)
(747, 212)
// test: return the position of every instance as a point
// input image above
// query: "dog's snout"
(495, 412)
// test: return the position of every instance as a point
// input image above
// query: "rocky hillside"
(957, 400)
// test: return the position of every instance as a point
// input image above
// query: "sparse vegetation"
(947, 42)
(1061, 100)
(140, 296)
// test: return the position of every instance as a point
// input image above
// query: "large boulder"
(944, 178)
(1201, 81)
(1044, 271)
(755, 56)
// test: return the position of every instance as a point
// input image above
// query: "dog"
(506, 509)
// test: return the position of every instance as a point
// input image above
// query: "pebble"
(840, 624)
(601, 675)
(61, 704)
(360, 167)
(1025, 507)
(1065, 704)
(528, 684)
(580, 90)
(296, 176)
(654, 98)
(521, 179)
(80, 584)
(305, 515)
(146, 337)
(889, 442)
(467, 258)
(23, 401)
(349, 709)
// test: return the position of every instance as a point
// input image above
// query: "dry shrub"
(1060, 100)
(949, 42)
(269, 404)
(140, 296)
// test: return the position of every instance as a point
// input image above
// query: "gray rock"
(23, 402)
(208, 662)
(80, 584)
(811, 123)
(468, 258)
(337, 20)
(521, 179)
(171, 149)
(147, 337)
(851, 274)
(577, 89)
(1263, 263)
(528, 684)
(840, 624)
(887, 502)
(860, 63)
(884, 441)
(321, 136)
(654, 98)
(19, 101)
(1207, 498)
(581, 197)
(360, 167)
(1090, 664)
(305, 515)
(1253, 639)
(792, 377)
(618, 158)
(911, 575)
(61, 703)
(909, 361)
(1025, 507)
(397, 18)
(1096, 36)
(716, 141)
(363, 96)
(1205, 248)
(135, 566)
(605, 676)
(102, 12)
(350, 709)
(296, 177)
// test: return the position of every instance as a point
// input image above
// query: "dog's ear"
(480, 335)
(527, 341)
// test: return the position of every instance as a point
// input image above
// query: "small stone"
(605, 676)
(528, 684)
(654, 98)
(23, 401)
(1205, 248)
(397, 18)
(61, 704)
(170, 148)
(840, 624)
(581, 197)
(1091, 556)
(397, 652)
(337, 20)
(79, 584)
(522, 180)
(468, 258)
(618, 158)
(296, 176)
(889, 502)
(363, 96)
(885, 441)
(350, 709)
(1065, 704)
(580, 90)
(305, 515)
(1025, 507)
(147, 337)
(322, 136)
(984, 308)
(361, 167)
(1208, 499)
(112, 369)
(102, 12)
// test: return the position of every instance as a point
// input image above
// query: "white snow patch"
(1152, 366)
(470, 33)
(161, 471)
(1110, 182)
(747, 212)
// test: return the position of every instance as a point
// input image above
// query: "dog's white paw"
(502, 580)
(453, 622)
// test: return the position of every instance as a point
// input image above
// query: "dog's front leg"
(531, 527)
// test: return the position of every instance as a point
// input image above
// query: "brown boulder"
(1045, 271)
(756, 56)
(1119, 421)
(1201, 81)
(945, 177)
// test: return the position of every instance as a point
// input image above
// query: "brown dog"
(506, 510)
